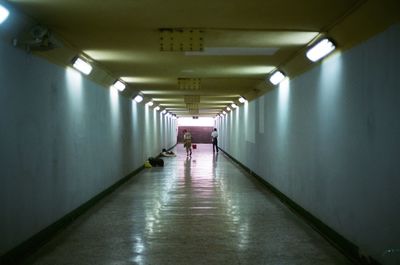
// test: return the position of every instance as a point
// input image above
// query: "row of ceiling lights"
(231, 106)
(86, 68)
(315, 53)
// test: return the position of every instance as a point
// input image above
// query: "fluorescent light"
(157, 108)
(82, 66)
(119, 85)
(234, 105)
(224, 112)
(321, 49)
(150, 103)
(242, 100)
(3, 13)
(138, 98)
(277, 77)
(164, 111)
(228, 108)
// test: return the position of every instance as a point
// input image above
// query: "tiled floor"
(198, 210)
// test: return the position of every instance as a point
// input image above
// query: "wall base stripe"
(350, 250)
(18, 254)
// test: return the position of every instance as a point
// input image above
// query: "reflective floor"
(198, 210)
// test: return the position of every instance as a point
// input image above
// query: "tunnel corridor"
(198, 210)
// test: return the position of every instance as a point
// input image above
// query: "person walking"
(187, 142)
(214, 136)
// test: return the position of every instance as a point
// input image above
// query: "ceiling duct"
(39, 38)
(181, 40)
(189, 83)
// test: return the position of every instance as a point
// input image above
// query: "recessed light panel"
(138, 98)
(321, 49)
(3, 13)
(277, 77)
(119, 85)
(82, 66)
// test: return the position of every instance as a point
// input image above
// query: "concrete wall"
(330, 140)
(64, 139)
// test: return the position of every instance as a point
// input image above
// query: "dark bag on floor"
(156, 162)
(160, 162)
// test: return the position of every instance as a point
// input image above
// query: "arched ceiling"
(217, 50)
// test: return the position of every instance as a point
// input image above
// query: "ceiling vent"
(181, 40)
(192, 106)
(193, 111)
(192, 99)
(189, 83)
(39, 38)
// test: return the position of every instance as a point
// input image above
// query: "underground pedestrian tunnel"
(304, 96)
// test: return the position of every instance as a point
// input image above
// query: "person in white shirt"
(214, 136)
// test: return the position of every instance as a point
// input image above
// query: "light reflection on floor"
(196, 210)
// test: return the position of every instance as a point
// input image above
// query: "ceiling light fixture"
(224, 112)
(82, 66)
(157, 108)
(164, 111)
(119, 85)
(228, 108)
(234, 105)
(242, 100)
(138, 98)
(150, 103)
(277, 77)
(321, 49)
(3, 13)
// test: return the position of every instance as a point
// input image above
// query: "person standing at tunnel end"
(187, 142)
(214, 136)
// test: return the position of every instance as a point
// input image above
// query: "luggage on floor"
(156, 162)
